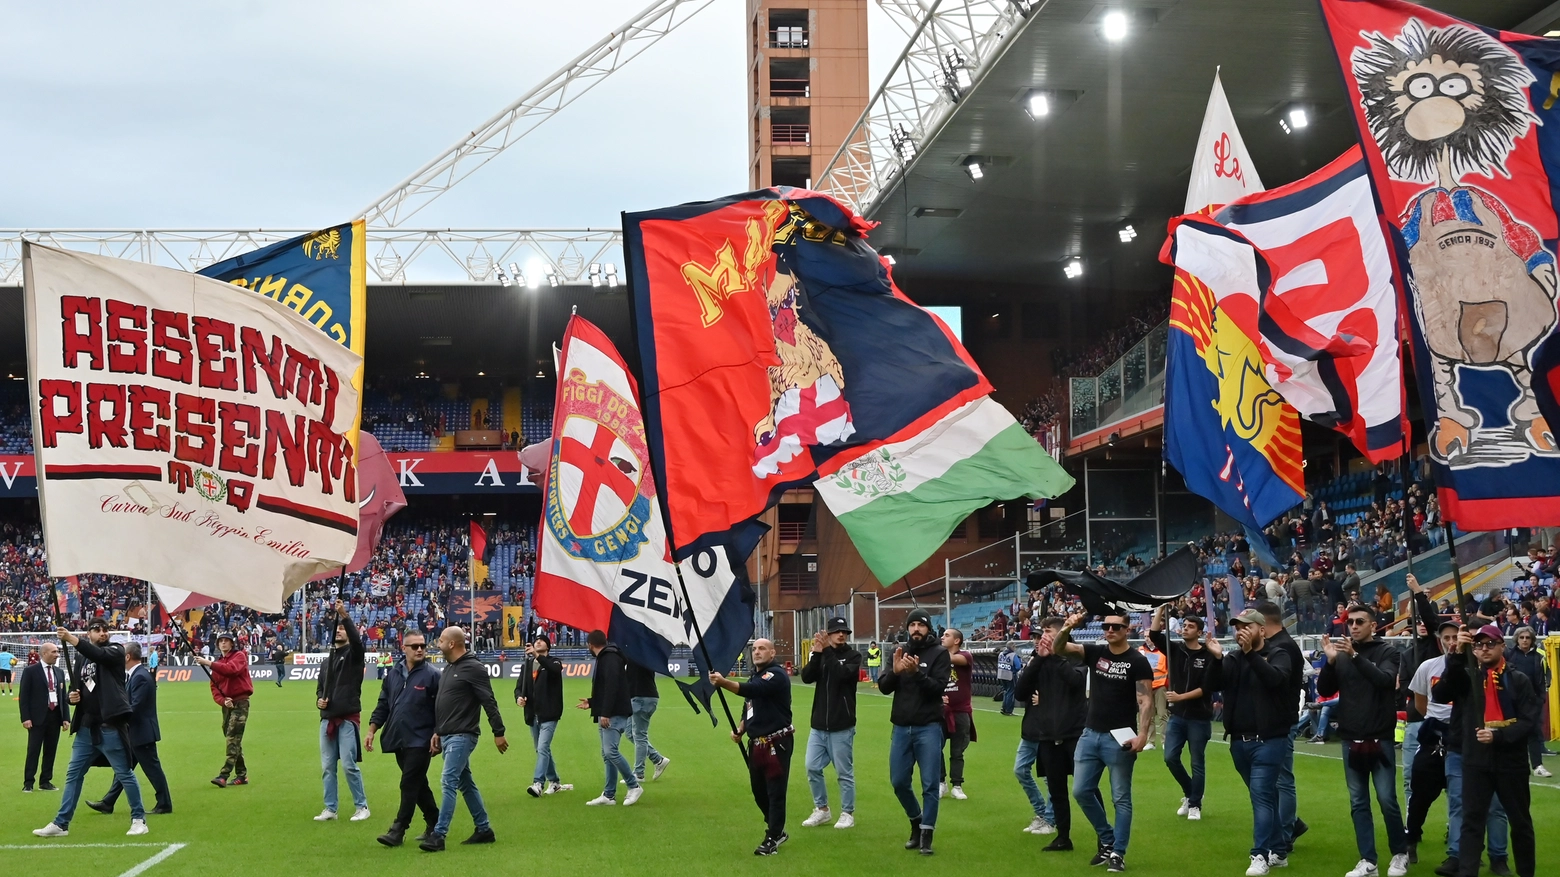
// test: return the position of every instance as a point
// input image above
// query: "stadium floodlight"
(1073, 269)
(612, 276)
(972, 167)
(502, 277)
(1114, 25)
(956, 75)
(533, 274)
(1127, 234)
(1038, 105)
(595, 274)
(1298, 118)
(514, 271)
(552, 278)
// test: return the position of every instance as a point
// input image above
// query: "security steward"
(144, 734)
(766, 719)
(405, 713)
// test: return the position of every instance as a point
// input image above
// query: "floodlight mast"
(532, 109)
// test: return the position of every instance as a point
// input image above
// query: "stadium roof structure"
(1114, 145)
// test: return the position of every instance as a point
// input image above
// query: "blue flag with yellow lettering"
(322, 275)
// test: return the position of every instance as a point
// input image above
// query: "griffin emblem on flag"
(598, 497)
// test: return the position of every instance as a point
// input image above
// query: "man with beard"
(405, 711)
(1290, 825)
(766, 719)
(1193, 675)
(539, 694)
(339, 696)
(916, 679)
(144, 732)
(1051, 690)
(833, 671)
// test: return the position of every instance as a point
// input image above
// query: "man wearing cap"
(1290, 825)
(1494, 709)
(231, 689)
(100, 724)
(916, 679)
(833, 671)
(1256, 718)
(1051, 690)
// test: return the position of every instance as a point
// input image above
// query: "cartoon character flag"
(1462, 137)
(604, 562)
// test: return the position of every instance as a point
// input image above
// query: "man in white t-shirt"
(1434, 771)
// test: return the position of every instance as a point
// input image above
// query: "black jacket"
(833, 673)
(405, 711)
(1296, 681)
(1189, 671)
(544, 693)
(1464, 688)
(464, 691)
(106, 665)
(609, 695)
(142, 688)
(641, 681)
(768, 700)
(1256, 691)
(1062, 708)
(341, 676)
(918, 694)
(1366, 685)
(1532, 665)
(34, 695)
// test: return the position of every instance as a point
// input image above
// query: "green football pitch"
(697, 819)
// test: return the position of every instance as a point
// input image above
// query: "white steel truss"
(953, 43)
(540, 257)
(530, 110)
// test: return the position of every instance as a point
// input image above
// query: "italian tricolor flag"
(899, 501)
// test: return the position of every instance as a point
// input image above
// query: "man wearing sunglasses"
(405, 713)
(1121, 702)
(1363, 671)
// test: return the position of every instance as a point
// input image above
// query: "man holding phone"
(1256, 718)
(1120, 679)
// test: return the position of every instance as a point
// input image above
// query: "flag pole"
(709, 663)
(1451, 551)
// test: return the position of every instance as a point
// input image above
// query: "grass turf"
(697, 819)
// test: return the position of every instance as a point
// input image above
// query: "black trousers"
(769, 792)
(43, 738)
(1428, 781)
(145, 758)
(953, 766)
(415, 793)
(1510, 782)
(1055, 763)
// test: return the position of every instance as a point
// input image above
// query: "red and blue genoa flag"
(1461, 133)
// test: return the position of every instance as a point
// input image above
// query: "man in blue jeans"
(339, 697)
(612, 708)
(1256, 718)
(1120, 697)
(465, 692)
(916, 680)
(539, 694)
(1193, 677)
(833, 670)
(644, 697)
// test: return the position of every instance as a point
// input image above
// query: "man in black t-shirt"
(1193, 677)
(1121, 703)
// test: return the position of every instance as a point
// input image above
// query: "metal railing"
(790, 88)
(790, 133)
(788, 38)
(1131, 385)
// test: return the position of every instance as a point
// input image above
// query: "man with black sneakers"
(405, 711)
(1256, 719)
(766, 719)
(144, 733)
(612, 707)
(1494, 709)
(45, 712)
(832, 671)
(339, 696)
(1051, 690)
(1120, 697)
(539, 694)
(1363, 670)
(916, 678)
(465, 692)
(100, 725)
(278, 655)
(1290, 825)
(1193, 677)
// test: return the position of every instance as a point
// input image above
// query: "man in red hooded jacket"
(231, 688)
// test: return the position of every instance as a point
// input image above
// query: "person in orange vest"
(1156, 659)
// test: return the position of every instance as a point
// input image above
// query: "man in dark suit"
(144, 733)
(45, 712)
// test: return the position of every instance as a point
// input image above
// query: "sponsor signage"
(182, 670)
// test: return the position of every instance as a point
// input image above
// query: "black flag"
(1164, 582)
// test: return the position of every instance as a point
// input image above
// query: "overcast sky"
(288, 114)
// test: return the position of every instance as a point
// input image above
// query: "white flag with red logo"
(1221, 170)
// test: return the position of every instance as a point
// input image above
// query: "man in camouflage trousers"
(231, 689)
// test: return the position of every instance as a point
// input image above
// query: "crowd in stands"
(1043, 416)
(15, 425)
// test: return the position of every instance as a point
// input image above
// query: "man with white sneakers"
(100, 724)
(833, 671)
(1192, 676)
(339, 696)
(1051, 690)
(612, 708)
(1256, 719)
(465, 692)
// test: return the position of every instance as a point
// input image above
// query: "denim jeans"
(1384, 778)
(612, 756)
(82, 753)
(1024, 770)
(873, 673)
(342, 748)
(837, 748)
(1497, 828)
(457, 777)
(912, 747)
(541, 741)
(1258, 762)
(1410, 749)
(1096, 751)
(1007, 696)
(639, 729)
(1288, 799)
(1179, 732)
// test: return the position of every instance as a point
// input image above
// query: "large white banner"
(187, 432)
(1221, 169)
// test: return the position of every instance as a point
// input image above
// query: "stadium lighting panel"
(972, 167)
(1127, 234)
(1038, 105)
(1073, 269)
(1114, 26)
